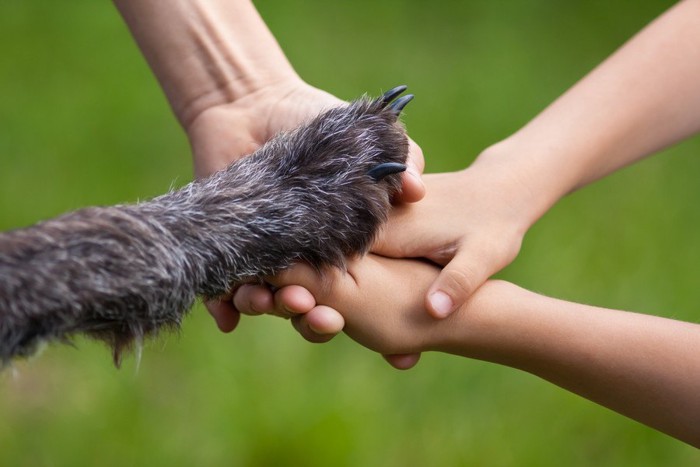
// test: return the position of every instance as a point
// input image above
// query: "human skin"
(641, 366)
(232, 89)
(227, 80)
(643, 98)
(205, 54)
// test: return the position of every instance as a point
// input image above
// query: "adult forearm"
(205, 52)
(641, 366)
(643, 98)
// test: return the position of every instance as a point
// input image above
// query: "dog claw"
(392, 94)
(398, 105)
(378, 172)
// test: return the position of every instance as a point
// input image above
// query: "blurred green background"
(83, 122)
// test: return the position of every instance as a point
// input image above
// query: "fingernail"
(441, 303)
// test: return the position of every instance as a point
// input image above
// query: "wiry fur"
(125, 272)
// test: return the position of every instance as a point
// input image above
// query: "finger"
(293, 300)
(253, 299)
(412, 186)
(456, 282)
(224, 313)
(324, 320)
(402, 361)
(416, 159)
(394, 241)
(405, 235)
(300, 274)
(319, 325)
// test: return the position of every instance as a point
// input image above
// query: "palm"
(225, 133)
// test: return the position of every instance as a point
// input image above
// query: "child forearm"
(641, 99)
(641, 366)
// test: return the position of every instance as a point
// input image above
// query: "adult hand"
(224, 133)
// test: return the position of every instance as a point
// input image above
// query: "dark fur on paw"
(316, 194)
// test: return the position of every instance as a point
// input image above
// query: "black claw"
(398, 105)
(392, 94)
(378, 172)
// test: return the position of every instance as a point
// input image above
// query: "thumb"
(412, 186)
(402, 237)
(390, 241)
(456, 282)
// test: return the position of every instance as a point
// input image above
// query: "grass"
(83, 122)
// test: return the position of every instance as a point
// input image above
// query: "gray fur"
(125, 272)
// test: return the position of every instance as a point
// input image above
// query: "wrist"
(471, 331)
(522, 179)
(205, 53)
(257, 103)
(490, 325)
(250, 92)
(222, 133)
(236, 59)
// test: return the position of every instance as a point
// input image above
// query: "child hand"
(380, 300)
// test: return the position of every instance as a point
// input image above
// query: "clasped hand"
(467, 223)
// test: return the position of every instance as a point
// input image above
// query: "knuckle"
(461, 280)
(497, 253)
(302, 326)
